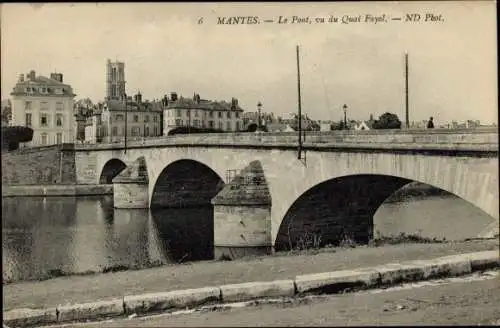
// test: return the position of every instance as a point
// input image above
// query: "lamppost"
(259, 108)
(126, 120)
(345, 116)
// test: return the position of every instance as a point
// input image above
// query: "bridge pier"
(130, 187)
(242, 215)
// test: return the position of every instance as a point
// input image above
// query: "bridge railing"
(441, 138)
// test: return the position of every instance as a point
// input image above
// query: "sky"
(452, 62)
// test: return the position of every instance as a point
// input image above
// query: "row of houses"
(46, 104)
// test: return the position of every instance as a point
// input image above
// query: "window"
(44, 138)
(211, 124)
(220, 114)
(196, 123)
(237, 114)
(178, 122)
(228, 114)
(220, 125)
(59, 105)
(136, 118)
(59, 120)
(188, 112)
(196, 113)
(99, 120)
(28, 119)
(147, 131)
(44, 120)
(237, 125)
(228, 126)
(155, 118)
(119, 117)
(44, 90)
(27, 105)
(146, 119)
(114, 131)
(44, 105)
(211, 114)
(179, 113)
(136, 131)
(59, 138)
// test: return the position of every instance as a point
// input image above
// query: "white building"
(45, 105)
(201, 113)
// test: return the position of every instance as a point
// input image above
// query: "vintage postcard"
(250, 164)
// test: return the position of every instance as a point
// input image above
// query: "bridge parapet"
(465, 140)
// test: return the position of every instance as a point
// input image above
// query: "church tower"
(115, 80)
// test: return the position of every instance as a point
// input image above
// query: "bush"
(13, 135)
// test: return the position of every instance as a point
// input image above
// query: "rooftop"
(204, 104)
(40, 85)
(143, 106)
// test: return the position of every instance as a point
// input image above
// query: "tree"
(84, 106)
(387, 121)
(13, 135)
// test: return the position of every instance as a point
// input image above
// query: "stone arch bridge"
(337, 184)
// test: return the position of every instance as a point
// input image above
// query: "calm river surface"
(43, 236)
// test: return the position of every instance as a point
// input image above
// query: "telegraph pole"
(300, 106)
(406, 92)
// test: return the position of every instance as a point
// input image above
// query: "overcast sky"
(453, 72)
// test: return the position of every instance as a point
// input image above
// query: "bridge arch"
(185, 183)
(339, 208)
(111, 169)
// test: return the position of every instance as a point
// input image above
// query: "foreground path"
(455, 303)
(80, 289)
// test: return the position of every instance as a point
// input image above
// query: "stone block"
(395, 273)
(260, 289)
(453, 265)
(178, 299)
(29, 317)
(92, 310)
(484, 260)
(337, 281)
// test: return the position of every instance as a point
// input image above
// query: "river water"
(45, 237)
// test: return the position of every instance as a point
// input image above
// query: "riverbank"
(413, 189)
(80, 289)
(56, 190)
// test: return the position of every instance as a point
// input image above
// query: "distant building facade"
(113, 120)
(201, 113)
(45, 105)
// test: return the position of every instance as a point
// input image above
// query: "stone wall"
(39, 166)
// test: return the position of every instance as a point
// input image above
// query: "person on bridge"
(430, 124)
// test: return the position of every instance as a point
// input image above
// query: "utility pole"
(406, 92)
(126, 119)
(300, 106)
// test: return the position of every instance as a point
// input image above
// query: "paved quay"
(452, 303)
(81, 289)
(333, 282)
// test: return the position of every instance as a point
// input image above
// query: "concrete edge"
(56, 190)
(318, 283)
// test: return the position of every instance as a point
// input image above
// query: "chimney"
(139, 98)
(234, 103)
(57, 77)
(371, 117)
(31, 75)
(21, 77)
(173, 96)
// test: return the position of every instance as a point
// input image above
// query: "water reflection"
(46, 236)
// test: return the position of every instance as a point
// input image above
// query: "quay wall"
(51, 165)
